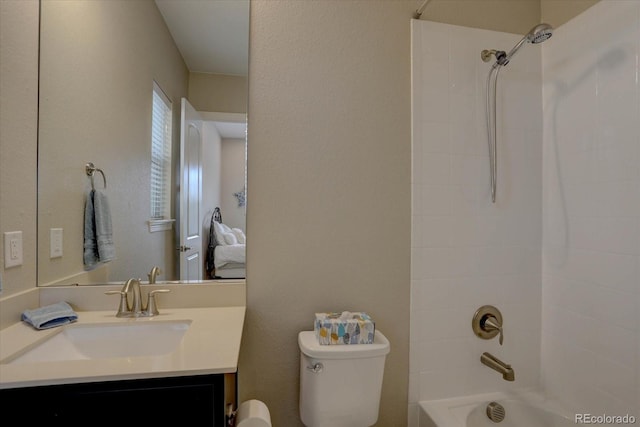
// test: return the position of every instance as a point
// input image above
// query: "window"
(160, 161)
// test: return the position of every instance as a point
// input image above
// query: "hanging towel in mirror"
(104, 230)
(90, 253)
(98, 231)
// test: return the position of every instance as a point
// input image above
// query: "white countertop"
(211, 345)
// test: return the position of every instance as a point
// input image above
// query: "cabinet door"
(192, 401)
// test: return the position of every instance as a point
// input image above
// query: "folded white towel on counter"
(50, 316)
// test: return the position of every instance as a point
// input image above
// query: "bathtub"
(522, 409)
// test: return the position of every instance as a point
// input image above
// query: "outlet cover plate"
(12, 249)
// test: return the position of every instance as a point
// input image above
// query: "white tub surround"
(211, 344)
(467, 251)
(559, 253)
(591, 255)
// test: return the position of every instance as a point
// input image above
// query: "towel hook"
(90, 169)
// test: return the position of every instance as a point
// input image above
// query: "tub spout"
(498, 365)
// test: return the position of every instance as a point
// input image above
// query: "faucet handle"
(123, 307)
(492, 324)
(152, 306)
(487, 323)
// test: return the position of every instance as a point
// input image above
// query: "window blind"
(160, 155)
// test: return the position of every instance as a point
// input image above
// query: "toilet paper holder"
(250, 413)
(230, 416)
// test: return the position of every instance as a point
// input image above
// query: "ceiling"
(212, 35)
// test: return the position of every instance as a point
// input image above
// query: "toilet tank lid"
(310, 346)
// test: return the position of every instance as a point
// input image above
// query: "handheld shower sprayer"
(537, 34)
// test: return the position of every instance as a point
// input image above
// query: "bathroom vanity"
(194, 400)
(180, 365)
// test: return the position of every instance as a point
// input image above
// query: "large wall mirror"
(101, 62)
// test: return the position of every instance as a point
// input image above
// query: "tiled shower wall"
(467, 251)
(591, 257)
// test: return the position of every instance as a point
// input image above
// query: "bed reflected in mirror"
(226, 253)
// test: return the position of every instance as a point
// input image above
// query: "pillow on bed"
(230, 239)
(242, 239)
(225, 234)
(219, 233)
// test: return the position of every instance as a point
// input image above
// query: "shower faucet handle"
(492, 324)
(487, 323)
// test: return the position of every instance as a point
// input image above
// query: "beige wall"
(218, 92)
(233, 180)
(329, 169)
(511, 16)
(328, 211)
(211, 177)
(557, 12)
(18, 135)
(95, 105)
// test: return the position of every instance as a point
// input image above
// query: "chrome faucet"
(155, 271)
(496, 364)
(135, 307)
(133, 285)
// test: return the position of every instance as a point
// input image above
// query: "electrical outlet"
(12, 249)
(55, 243)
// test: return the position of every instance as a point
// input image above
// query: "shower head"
(537, 34)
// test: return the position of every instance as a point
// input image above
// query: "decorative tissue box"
(344, 328)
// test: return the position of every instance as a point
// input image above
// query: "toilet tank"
(340, 385)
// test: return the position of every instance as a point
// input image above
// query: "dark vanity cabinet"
(181, 401)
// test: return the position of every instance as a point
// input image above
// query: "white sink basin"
(107, 340)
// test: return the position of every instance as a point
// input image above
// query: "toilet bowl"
(340, 385)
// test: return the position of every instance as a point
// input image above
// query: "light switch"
(55, 242)
(12, 249)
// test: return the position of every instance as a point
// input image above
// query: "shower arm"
(499, 54)
(418, 13)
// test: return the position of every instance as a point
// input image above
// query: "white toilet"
(340, 385)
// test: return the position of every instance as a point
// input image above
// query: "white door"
(190, 246)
